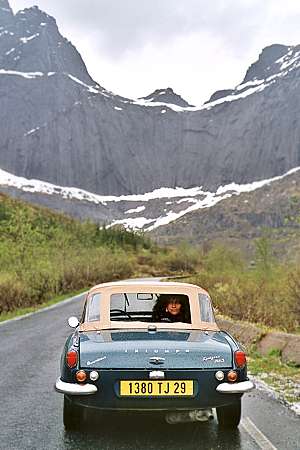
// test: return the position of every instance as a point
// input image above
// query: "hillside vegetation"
(263, 290)
(44, 254)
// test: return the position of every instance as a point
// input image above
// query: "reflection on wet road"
(150, 432)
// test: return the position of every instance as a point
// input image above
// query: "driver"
(171, 308)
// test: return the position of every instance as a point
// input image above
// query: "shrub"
(13, 293)
(269, 294)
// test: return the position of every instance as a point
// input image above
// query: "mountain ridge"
(68, 130)
(167, 96)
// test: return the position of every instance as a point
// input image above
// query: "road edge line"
(261, 440)
(46, 308)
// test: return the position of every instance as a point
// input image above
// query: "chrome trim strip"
(235, 388)
(74, 389)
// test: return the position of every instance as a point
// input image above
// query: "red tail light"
(72, 358)
(240, 358)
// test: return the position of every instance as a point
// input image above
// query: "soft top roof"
(147, 286)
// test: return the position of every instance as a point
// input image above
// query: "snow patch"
(135, 223)
(31, 131)
(290, 62)
(136, 210)
(239, 188)
(249, 84)
(89, 88)
(10, 51)
(197, 198)
(143, 102)
(27, 39)
(28, 75)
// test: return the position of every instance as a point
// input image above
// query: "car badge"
(156, 360)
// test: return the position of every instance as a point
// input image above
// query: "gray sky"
(132, 47)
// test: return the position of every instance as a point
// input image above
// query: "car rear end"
(165, 370)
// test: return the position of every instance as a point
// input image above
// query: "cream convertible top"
(146, 287)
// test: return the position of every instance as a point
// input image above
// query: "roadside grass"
(23, 311)
(283, 378)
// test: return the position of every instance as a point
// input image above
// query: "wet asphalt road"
(31, 411)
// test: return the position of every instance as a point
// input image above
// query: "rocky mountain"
(166, 96)
(273, 211)
(60, 126)
(234, 213)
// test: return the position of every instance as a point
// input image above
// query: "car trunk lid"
(132, 349)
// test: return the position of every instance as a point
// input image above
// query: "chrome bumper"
(235, 388)
(74, 389)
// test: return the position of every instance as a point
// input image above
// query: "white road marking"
(261, 440)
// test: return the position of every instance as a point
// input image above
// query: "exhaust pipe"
(196, 415)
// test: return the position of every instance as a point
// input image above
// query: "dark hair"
(159, 309)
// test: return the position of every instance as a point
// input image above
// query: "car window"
(126, 306)
(149, 307)
(206, 310)
(93, 308)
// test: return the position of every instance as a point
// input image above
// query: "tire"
(229, 416)
(72, 415)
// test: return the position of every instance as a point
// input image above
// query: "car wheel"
(73, 415)
(229, 416)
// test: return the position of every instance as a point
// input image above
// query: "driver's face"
(173, 306)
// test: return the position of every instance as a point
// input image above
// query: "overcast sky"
(132, 47)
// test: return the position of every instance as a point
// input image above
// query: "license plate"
(170, 388)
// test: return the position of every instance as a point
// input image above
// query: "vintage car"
(136, 349)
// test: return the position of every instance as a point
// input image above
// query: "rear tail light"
(80, 376)
(72, 358)
(232, 376)
(240, 358)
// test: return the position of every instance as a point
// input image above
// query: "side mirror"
(73, 322)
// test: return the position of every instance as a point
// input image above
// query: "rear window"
(206, 310)
(93, 308)
(149, 307)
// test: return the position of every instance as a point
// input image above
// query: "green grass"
(23, 311)
(46, 255)
(266, 291)
(283, 378)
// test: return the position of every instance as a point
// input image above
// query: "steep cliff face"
(58, 125)
(6, 15)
